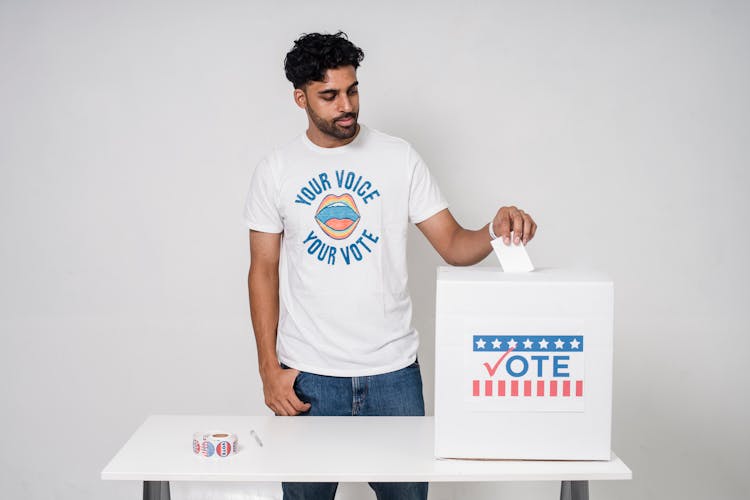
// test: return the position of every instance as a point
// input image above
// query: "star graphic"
(574, 343)
(480, 343)
(559, 344)
(496, 344)
(527, 344)
(512, 344)
(543, 343)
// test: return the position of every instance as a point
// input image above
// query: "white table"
(320, 449)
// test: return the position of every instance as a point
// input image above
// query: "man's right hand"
(278, 390)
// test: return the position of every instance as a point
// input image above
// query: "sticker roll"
(215, 444)
(223, 443)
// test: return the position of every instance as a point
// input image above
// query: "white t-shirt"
(345, 308)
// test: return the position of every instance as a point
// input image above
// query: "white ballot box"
(523, 366)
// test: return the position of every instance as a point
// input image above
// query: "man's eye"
(353, 91)
(328, 98)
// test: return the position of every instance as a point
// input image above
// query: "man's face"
(333, 104)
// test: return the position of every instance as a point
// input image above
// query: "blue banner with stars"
(528, 343)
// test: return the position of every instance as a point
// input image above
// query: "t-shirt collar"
(339, 149)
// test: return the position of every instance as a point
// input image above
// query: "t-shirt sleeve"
(425, 198)
(261, 211)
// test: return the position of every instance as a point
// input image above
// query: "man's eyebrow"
(335, 91)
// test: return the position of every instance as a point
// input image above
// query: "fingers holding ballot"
(513, 220)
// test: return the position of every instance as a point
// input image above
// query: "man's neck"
(326, 141)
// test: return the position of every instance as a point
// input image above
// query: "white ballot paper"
(513, 258)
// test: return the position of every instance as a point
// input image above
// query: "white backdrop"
(129, 131)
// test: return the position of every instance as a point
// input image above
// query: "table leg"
(156, 490)
(574, 490)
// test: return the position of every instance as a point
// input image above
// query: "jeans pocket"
(297, 378)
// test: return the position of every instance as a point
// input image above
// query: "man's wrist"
(269, 368)
(493, 236)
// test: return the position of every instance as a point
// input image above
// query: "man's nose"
(345, 104)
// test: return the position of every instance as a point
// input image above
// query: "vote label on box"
(523, 372)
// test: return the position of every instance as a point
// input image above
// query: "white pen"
(257, 439)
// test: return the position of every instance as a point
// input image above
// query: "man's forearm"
(263, 284)
(278, 383)
(464, 247)
(469, 247)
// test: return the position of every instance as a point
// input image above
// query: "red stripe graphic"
(566, 389)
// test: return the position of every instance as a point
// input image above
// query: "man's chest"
(338, 211)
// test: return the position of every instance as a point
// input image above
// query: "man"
(328, 216)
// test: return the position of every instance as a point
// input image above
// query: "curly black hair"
(314, 53)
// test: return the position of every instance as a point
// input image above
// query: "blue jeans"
(396, 393)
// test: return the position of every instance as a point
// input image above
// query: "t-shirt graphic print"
(338, 216)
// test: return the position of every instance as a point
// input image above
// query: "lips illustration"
(337, 216)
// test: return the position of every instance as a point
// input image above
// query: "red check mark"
(492, 369)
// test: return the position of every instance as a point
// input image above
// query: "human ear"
(300, 98)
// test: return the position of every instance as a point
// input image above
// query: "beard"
(331, 127)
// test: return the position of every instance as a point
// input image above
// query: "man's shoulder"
(289, 144)
(275, 155)
(388, 145)
(384, 138)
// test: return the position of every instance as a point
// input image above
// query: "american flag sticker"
(522, 372)
(207, 448)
